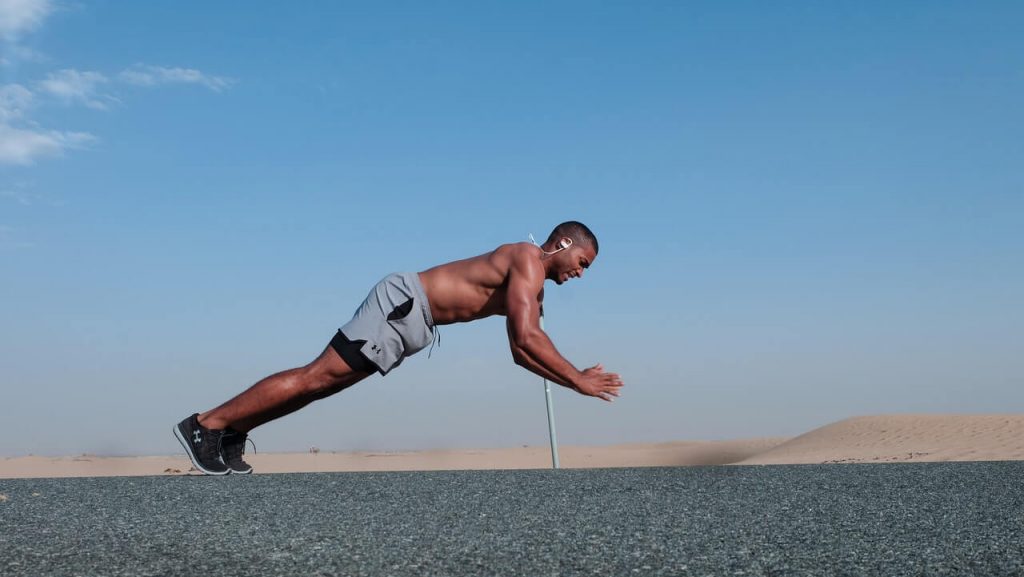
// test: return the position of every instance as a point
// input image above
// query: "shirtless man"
(397, 320)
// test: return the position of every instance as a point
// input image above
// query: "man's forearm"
(524, 360)
(542, 353)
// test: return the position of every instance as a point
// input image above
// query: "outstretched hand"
(597, 383)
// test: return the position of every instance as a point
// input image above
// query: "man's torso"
(473, 288)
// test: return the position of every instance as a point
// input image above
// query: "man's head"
(574, 248)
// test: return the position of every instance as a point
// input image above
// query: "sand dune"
(898, 438)
(871, 439)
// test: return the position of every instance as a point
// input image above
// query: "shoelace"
(235, 451)
(210, 450)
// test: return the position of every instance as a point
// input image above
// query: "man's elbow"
(524, 341)
(518, 356)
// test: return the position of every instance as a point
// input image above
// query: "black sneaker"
(202, 445)
(232, 447)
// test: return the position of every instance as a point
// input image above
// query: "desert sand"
(900, 438)
(868, 439)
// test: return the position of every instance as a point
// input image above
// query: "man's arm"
(531, 347)
(524, 360)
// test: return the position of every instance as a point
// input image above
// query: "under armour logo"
(196, 437)
(375, 348)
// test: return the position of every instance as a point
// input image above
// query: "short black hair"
(577, 231)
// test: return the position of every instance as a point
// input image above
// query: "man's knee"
(329, 373)
(321, 386)
(328, 367)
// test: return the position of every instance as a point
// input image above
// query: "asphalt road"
(895, 519)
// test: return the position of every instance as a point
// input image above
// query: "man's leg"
(283, 393)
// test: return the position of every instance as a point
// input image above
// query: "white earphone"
(562, 245)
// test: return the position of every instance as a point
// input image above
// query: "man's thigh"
(345, 366)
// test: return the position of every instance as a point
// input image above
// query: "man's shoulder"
(522, 262)
(519, 247)
(520, 254)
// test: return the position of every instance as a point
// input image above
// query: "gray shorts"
(394, 321)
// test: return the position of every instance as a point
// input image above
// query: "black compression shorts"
(349, 351)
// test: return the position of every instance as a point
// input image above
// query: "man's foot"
(202, 445)
(232, 447)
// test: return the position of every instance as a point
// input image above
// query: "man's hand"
(597, 383)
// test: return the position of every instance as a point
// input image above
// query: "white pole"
(551, 416)
(547, 397)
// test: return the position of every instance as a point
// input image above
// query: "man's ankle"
(210, 423)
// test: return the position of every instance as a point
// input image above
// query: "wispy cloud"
(20, 16)
(145, 75)
(15, 100)
(84, 86)
(22, 142)
(16, 53)
(24, 146)
(74, 86)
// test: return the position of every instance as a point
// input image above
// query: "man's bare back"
(474, 288)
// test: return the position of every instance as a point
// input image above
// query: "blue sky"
(806, 212)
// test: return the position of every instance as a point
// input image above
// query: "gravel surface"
(899, 519)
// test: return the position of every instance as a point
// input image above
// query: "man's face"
(571, 263)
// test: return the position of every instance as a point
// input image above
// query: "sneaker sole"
(191, 455)
(237, 472)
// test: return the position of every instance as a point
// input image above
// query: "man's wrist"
(575, 380)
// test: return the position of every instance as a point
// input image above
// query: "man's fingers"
(607, 385)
